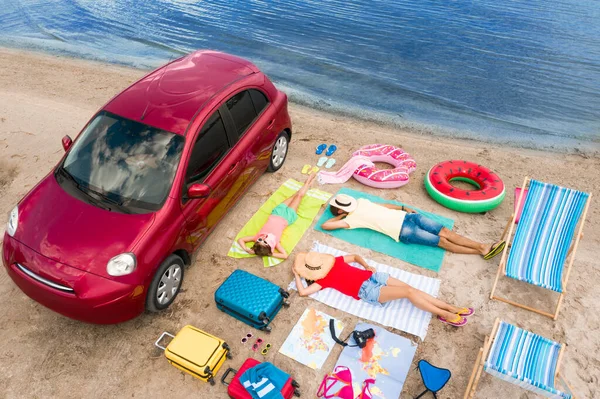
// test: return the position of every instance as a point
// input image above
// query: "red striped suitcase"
(237, 391)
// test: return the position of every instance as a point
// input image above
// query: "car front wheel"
(166, 284)
(279, 152)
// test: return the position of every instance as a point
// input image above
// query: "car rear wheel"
(166, 284)
(279, 152)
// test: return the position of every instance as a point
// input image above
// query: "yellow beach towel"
(307, 211)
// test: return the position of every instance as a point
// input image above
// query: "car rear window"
(242, 111)
(259, 99)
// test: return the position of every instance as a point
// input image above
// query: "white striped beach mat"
(525, 359)
(399, 314)
(544, 234)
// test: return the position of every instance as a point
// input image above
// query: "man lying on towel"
(402, 224)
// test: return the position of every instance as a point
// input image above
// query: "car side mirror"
(66, 142)
(198, 190)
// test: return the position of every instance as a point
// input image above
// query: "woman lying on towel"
(326, 271)
(402, 224)
(267, 241)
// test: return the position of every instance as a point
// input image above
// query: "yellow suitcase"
(196, 352)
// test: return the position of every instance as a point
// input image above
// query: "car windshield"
(123, 164)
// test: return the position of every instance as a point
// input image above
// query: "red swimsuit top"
(345, 278)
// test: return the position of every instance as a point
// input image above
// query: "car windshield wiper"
(109, 199)
(64, 173)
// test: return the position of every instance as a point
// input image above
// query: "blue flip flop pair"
(327, 162)
(330, 150)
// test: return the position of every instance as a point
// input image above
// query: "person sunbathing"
(268, 240)
(403, 224)
(326, 271)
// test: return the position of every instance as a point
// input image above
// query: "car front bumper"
(69, 291)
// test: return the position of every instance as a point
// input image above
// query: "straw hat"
(344, 202)
(315, 265)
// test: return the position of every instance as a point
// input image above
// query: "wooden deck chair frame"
(570, 256)
(482, 356)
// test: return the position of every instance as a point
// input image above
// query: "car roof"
(169, 97)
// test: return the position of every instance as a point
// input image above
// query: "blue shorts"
(419, 229)
(371, 289)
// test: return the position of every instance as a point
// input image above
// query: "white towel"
(400, 314)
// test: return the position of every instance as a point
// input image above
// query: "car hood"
(73, 232)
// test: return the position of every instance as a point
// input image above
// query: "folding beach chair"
(543, 239)
(522, 358)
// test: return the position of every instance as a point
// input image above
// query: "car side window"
(259, 99)
(242, 111)
(208, 150)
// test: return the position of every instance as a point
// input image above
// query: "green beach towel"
(307, 211)
(420, 255)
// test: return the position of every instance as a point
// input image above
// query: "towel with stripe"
(525, 359)
(544, 234)
(307, 211)
(399, 314)
(264, 381)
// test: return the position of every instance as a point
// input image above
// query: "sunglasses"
(266, 349)
(245, 339)
(256, 345)
(261, 240)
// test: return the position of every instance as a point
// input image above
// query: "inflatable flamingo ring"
(370, 175)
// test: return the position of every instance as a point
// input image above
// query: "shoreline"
(428, 130)
(44, 97)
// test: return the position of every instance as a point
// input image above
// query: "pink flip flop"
(466, 313)
(460, 323)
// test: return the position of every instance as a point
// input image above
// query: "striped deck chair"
(543, 239)
(521, 358)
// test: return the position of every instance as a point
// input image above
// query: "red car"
(108, 232)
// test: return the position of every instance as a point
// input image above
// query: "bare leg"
(392, 282)
(455, 248)
(294, 201)
(390, 293)
(464, 242)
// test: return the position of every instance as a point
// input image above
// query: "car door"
(253, 121)
(211, 162)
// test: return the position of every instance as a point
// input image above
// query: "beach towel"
(345, 172)
(308, 209)
(264, 381)
(419, 255)
(386, 359)
(310, 341)
(400, 314)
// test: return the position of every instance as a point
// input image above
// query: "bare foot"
(486, 248)
(454, 309)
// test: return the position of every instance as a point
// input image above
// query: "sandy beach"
(43, 98)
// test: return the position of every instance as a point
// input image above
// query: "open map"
(310, 341)
(386, 358)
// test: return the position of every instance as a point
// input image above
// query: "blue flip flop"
(331, 150)
(320, 149)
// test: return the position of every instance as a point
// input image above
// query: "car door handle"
(270, 125)
(233, 167)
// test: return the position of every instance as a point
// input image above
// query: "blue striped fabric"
(525, 359)
(544, 234)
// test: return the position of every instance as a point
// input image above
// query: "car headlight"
(121, 264)
(13, 221)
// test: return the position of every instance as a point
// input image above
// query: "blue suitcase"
(251, 299)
